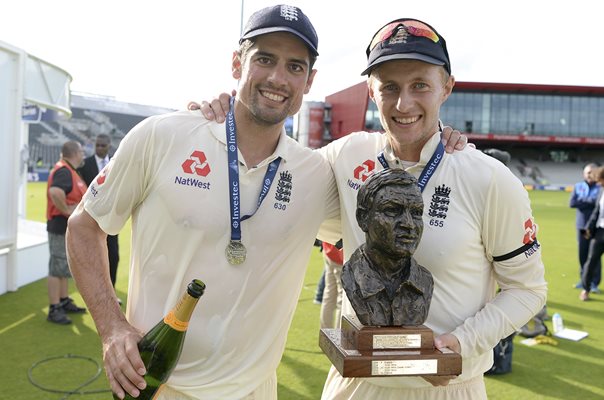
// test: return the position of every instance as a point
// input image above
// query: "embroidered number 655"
(435, 222)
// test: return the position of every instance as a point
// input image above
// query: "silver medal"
(235, 252)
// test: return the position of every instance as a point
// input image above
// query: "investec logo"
(197, 165)
(361, 173)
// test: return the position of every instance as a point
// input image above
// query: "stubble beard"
(267, 117)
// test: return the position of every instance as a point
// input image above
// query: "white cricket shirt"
(170, 174)
(478, 233)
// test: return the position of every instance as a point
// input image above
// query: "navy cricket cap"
(407, 39)
(282, 18)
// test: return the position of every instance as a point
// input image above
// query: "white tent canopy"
(24, 80)
(46, 85)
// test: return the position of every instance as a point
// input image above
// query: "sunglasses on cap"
(415, 28)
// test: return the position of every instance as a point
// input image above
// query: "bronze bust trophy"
(384, 283)
(389, 291)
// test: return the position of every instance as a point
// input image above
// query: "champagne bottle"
(160, 348)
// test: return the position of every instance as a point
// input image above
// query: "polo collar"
(282, 150)
(425, 155)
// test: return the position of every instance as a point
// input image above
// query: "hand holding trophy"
(389, 291)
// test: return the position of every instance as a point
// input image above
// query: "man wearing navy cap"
(479, 232)
(216, 202)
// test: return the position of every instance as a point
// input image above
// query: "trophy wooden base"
(369, 351)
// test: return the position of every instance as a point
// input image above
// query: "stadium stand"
(549, 166)
(533, 172)
(92, 115)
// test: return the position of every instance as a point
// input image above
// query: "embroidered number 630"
(280, 206)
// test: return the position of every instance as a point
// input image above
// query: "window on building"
(468, 127)
(372, 118)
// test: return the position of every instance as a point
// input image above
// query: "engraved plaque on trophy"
(388, 290)
(367, 351)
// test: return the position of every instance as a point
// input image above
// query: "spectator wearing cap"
(479, 232)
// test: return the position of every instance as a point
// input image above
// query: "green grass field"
(570, 370)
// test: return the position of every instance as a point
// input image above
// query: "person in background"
(89, 170)
(331, 305)
(502, 353)
(593, 231)
(318, 299)
(583, 198)
(500, 155)
(64, 191)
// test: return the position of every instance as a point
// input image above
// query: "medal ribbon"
(428, 170)
(234, 188)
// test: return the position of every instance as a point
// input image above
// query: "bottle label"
(175, 323)
(159, 389)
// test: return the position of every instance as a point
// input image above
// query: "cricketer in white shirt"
(171, 174)
(479, 234)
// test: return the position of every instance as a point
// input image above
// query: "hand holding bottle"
(145, 365)
(123, 364)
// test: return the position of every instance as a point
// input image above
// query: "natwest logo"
(364, 171)
(361, 173)
(100, 179)
(530, 232)
(197, 164)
